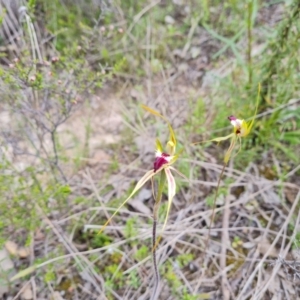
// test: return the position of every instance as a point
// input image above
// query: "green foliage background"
(100, 44)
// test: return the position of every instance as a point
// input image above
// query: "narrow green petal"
(171, 193)
(159, 146)
(240, 146)
(175, 157)
(154, 112)
(172, 136)
(140, 183)
(229, 151)
(222, 138)
(179, 173)
(245, 129)
(219, 139)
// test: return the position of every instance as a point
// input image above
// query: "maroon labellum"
(160, 161)
(232, 118)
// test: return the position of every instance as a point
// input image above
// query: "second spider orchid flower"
(163, 163)
(241, 129)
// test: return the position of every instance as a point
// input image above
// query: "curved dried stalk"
(214, 207)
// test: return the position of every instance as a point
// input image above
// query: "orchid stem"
(158, 197)
(214, 207)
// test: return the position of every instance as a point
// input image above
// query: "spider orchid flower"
(241, 129)
(162, 163)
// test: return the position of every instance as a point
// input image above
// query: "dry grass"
(251, 253)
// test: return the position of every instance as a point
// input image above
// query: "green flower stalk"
(162, 165)
(241, 129)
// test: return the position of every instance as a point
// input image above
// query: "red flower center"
(160, 161)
